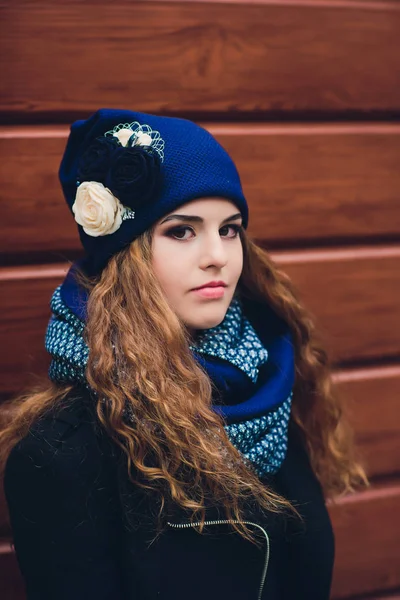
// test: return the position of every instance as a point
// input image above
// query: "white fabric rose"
(143, 139)
(96, 209)
(123, 135)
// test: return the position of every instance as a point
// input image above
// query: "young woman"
(188, 435)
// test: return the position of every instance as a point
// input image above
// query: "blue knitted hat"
(122, 171)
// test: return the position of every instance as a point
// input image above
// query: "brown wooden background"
(305, 95)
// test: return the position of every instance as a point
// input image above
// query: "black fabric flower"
(96, 160)
(134, 176)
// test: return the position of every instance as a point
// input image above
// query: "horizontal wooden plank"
(390, 596)
(12, 586)
(313, 182)
(353, 294)
(373, 398)
(304, 183)
(5, 526)
(367, 537)
(33, 206)
(25, 295)
(73, 57)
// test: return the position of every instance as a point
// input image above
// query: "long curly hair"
(139, 357)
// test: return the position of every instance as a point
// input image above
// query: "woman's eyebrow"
(195, 219)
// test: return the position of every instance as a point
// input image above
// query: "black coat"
(61, 485)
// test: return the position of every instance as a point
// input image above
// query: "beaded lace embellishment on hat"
(135, 134)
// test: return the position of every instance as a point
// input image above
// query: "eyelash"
(171, 232)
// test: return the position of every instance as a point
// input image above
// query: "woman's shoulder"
(66, 439)
(63, 505)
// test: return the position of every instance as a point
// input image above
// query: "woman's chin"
(207, 322)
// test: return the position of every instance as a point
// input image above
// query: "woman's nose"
(214, 252)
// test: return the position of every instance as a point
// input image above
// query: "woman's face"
(196, 244)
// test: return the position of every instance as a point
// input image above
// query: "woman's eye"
(178, 231)
(235, 228)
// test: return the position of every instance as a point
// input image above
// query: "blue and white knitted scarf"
(253, 381)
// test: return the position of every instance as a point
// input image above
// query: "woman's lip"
(212, 284)
(211, 292)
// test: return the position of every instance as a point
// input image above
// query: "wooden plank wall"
(305, 96)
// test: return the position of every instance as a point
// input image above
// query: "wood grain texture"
(33, 206)
(72, 58)
(24, 296)
(304, 183)
(12, 586)
(389, 596)
(352, 293)
(309, 183)
(367, 538)
(372, 397)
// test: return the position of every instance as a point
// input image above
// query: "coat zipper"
(220, 522)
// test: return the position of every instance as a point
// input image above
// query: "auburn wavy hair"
(140, 357)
